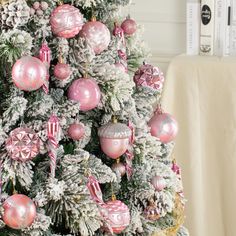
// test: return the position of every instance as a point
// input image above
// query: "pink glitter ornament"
(117, 215)
(149, 76)
(114, 139)
(86, 92)
(62, 71)
(129, 26)
(23, 144)
(158, 183)
(76, 131)
(119, 167)
(66, 21)
(29, 73)
(19, 211)
(97, 34)
(164, 127)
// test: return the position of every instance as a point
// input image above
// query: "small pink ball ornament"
(163, 126)
(85, 91)
(19, 211)
(114, 139)
(76, 131)
(158, 183)
(62, 71)
(23, 144)
(29, 73)
(66, 21)
(97, 34)
(129, 26)
(117, 215)
(119, 167)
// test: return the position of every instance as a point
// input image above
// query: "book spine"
(227, 29)
(207, 27)
(233, 29)
(193, 27)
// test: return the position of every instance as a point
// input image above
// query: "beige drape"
(201, 93)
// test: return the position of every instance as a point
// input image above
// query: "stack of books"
(211, 27)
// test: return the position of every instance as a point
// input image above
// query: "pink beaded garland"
(29, 73)
(62, 71)
(19, 211)
(66, 21)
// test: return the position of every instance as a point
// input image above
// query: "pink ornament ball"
(97, 34)
(129, 26)
(66, 21)
(85, 91)
(29, 73)
(164, 127)
(120, 168)
(19, 211)
(76, 131)
(44, 6)
(117, 215)
(36, 5)
(158, 183)
(62, 71)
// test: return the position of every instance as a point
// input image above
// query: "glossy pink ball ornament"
(119, 167)
(114, 139)
(97, 34)
(76, 131)
(164, 127)
(29, 73)
(85, 91)
(62, 71)
(23, 144)
(158, 183)
(117, 215)
(19, 211)
(129, 26)
(66, 21)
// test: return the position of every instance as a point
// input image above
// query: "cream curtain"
(201, 93)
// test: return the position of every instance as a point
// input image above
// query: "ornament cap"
(93, 18)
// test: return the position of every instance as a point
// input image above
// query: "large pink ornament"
(117, 215)
(97, 34)
(149, 76)
(76, 131)
(66, 21)
(62, 71)
(19, 211)
(158, 183)
(129, 26)
(23, 144)
(114, 139)
(86, 92)
(164, 127)
(29, 73)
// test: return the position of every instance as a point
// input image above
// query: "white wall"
(165, 23)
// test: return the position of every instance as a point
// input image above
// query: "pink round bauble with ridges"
(129, 26)
(76, 131)
(119, 167)
(117, 215)
(158, 183)
(85, 91)
(62, 71)
(19, 211)
(97, 35)
(164, 127)
(66, 21)
(23, 144)
(29, 73)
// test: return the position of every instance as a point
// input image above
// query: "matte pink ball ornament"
(62, 71)
(158, 183)
(23, 144)
(19, 211)
(76, 131)
(117, 215)
(97, 34)
(129, 26)
(164, 127)
(29, 73)
(114, 139)
(85, 91)
(66, 21)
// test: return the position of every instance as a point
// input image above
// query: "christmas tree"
(85, 148)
